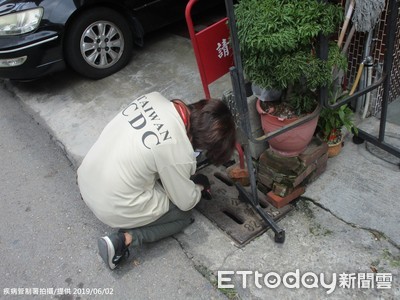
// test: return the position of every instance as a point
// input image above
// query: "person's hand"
(202, 180)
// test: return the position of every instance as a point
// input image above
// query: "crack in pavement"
(371, 230)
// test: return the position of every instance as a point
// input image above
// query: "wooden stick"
(346, 23)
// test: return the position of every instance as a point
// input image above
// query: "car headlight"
(20, 22)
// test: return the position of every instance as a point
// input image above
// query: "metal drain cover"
(236, 218)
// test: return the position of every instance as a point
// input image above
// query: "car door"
(155, 14)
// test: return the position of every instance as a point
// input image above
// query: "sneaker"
(112, 249)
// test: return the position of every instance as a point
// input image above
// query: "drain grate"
(237, 219)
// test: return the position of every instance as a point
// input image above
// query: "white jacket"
(144, 142)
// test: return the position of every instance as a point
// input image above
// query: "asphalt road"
(48, 237)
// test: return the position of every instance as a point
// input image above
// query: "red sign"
(215, 53)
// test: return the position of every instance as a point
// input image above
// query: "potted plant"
(331, 124)
(278, 41)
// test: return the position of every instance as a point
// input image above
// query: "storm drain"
(236, 218)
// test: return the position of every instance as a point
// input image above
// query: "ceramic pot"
(290, 143)
(334, 149)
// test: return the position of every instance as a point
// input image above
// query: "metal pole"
(323, 50)
(241, 103)
(387, 67)
(241, 98)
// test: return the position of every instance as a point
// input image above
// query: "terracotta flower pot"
(334, 149)
(292, 142)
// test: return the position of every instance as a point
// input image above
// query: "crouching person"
(139, 176)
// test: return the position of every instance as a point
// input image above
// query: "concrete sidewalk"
(348, 221)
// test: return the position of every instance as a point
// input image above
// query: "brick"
(322, 160)
(321, 169)
(280, 202)
(282, 184)
(304, 175)
(271, 173)
(263, 189)
(316, 149)
(281, 164)
(265, 180)
(321, 165)
(238, 174)
(281, 190)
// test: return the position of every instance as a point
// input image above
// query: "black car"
(93, 37)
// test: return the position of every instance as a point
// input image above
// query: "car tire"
(98, 43)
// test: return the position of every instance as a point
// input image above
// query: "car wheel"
(98, 43)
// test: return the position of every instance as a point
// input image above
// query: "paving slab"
(361, 187)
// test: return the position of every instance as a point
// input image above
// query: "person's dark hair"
(212, 128)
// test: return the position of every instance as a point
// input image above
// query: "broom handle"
(355, 84)
(346, 23)
(348, 39)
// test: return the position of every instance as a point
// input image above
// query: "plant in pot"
(331, 124)
(278, 41)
